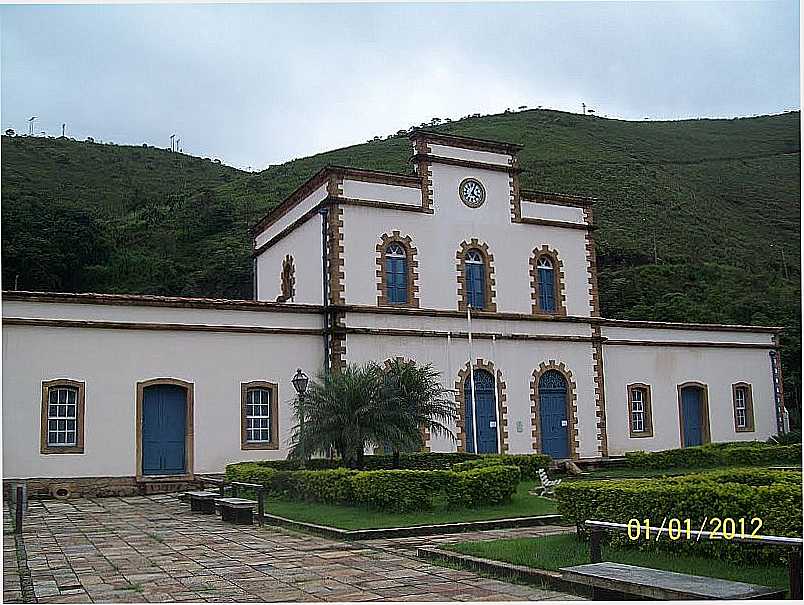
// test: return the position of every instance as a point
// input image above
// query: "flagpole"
(496, 393)
(472, 378)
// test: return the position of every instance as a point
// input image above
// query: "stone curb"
(408, 532)
(528, 575)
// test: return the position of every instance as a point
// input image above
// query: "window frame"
(272, 387)
(647, 410)
(749, 407)
(411, 265)
(480, 262)
(388, 258)
(80, 417)
(559, 295)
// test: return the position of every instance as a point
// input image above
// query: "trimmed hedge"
(717, 454)
(529, 464)
(773, 496)
(393, 490)
(424, 461)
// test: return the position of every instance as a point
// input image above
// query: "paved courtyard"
(152, 548)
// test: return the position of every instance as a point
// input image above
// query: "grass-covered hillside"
(699, 219)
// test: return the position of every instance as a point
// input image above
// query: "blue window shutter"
(475, 285)
(547, 295)
(397, 275)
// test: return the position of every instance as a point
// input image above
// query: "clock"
(472, 193)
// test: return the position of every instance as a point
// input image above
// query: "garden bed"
(350, 517)
(551, 553)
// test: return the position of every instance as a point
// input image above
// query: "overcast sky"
(260, 84)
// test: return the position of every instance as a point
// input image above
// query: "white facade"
(333, 233)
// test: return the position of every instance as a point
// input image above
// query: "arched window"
(396, 270)
(547, 284)
(475, 279)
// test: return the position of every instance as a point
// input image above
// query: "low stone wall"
(94, 487)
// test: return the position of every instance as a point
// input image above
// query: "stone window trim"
(245, 387)
(78, 448)
(488, 264)
(572, 405)
(647, 410)
(502, 408)
(412, 270)
(272, 387)
(558, 282)
(749, 407)
(287, 279)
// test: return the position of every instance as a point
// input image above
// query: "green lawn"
(354, 517)
(554, 552)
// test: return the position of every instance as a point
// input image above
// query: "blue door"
(692, 416)
(553, 415)
(164, 418)
(484, 411)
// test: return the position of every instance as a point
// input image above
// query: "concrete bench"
(610, 581)
(202, 501)
(236, 510)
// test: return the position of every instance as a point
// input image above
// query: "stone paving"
(153, 549)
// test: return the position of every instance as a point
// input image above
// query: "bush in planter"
(773, 496)
(528, 464)
(400, 490)
(720, 454)
(334, 486)
(394, 490)
(482, 486)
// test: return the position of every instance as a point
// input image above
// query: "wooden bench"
(606, 578)
(236, 510)
(203, 501)
(609, 581)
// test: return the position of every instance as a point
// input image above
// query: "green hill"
(699, 219)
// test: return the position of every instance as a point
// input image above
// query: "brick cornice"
(453, 140)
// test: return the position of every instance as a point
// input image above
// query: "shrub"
(528, 464)
(333, 486)
(788, 438)
(393, 490)
(483, 486)
(773, 496)
(400, 490)
(720, 454)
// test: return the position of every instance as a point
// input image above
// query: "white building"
(110, 392)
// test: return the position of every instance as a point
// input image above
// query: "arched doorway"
(553, 410)
(484, 411)
(164, 418)
(694, 414)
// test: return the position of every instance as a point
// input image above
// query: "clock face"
(472, 193)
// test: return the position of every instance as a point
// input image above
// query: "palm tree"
(368, 405)
(417, 402)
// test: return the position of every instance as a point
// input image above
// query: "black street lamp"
(300, 382)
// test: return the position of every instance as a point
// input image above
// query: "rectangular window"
(259, 416)
(742, 399)
(62, 429)
(640, 414)
(638, 410)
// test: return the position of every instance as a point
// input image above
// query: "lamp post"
(300, 382)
